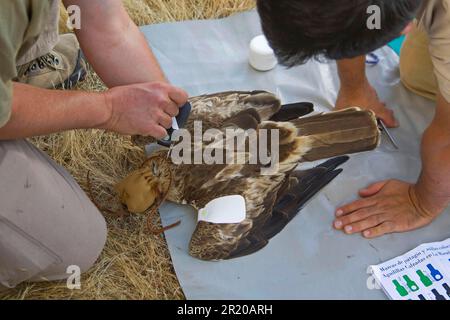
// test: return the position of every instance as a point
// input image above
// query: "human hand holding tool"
(178, 122)
(143, 109)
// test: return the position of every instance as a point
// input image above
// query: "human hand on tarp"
(386, 207)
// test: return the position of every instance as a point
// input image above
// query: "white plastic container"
(262, 57)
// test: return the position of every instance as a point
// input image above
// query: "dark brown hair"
(299, 30)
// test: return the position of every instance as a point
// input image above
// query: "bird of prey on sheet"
(271, 200)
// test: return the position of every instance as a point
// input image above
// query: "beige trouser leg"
(47, 39)
(416, 67)
(47, 222)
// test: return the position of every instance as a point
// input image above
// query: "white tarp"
(308, 259)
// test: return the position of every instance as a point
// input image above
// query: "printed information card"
(421, 274)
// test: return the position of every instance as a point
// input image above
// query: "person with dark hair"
(299, 30)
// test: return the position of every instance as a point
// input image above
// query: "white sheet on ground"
(308, 259)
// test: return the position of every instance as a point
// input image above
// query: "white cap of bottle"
(262, 57)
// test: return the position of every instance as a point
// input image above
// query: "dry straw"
(134, 263)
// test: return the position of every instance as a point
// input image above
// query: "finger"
(179, 96)
(171, 109)
(157, 132)
(355, 217)
(372, 189)
(356, 205)
(378, 231)
(388, 118)
(392, 115)
(165, 121)
(370, 222)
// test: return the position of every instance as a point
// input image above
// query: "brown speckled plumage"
(271, 201)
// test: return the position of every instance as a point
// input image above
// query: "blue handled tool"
(372, 59)
(178, 122)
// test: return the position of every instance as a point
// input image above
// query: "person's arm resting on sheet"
(396, 206)
(356, 90)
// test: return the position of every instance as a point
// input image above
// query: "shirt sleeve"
(7, 73)
(5, 102)
(439, 34)
(13, 23)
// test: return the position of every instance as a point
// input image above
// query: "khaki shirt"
(434, 19)
(21, 22)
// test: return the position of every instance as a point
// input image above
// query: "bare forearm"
(433, 188)
(38, 111)
(352, 72)
(356, 90)
(114, 45)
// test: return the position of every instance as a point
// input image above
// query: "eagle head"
(146, 186)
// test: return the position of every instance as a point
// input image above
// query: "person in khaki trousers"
(47, 223)
(338, 29)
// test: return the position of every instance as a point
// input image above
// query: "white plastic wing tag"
(175, 124)
(228, 209)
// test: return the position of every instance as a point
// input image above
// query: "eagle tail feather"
(338, 133)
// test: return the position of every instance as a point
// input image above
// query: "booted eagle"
(271, 200)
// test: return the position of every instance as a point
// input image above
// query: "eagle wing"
(270, 203)
(214, 109)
